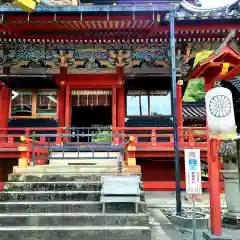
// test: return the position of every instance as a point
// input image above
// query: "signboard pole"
(194, 224)
(193, 180)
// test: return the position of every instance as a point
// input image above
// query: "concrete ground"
(168, 199)
(162, 227)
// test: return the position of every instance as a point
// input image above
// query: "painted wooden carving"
(153, 56)
(92, 58)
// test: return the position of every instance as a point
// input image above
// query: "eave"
(212, 66)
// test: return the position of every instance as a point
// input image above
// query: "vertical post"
(61, 107)
(33, 148)
(114, 107)
(61, 97)
(179, 106)
(67, 109)
(175, 114)
(5, 102)
(120, 107)
(214, 175)
(214, 187)
(194, 218)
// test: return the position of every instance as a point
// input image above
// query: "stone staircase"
(63, 202)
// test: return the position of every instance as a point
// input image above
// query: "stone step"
(66, 169)
(54, 186)
(77, 154)
(69, 207)
(73, 219)
(55, 177)
(50, 196)
(76, 232)
(83, 162)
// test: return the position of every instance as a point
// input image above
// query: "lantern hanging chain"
(218, 83)
(92, 100)
(97, 97)
(106, 101)
(49, 103)
(21, 100)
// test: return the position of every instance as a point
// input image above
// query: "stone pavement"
(168, 199)
(162, 228)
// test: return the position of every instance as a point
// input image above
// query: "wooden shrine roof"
(212, 66)
(119, 23)
(194, 110)
(187, 11)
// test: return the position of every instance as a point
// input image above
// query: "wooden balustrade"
(143, 136)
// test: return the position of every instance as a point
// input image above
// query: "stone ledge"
(232, 220)
(187, 222)
(209, 236)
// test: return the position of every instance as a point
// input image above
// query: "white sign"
(193, 171)
(220, 113)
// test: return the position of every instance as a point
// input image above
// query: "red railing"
(143, 136)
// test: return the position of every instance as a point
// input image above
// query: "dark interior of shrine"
(88, 116)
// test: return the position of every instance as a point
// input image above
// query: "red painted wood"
(61, 96)
(68, 107)
(114, 107)
(180, 115)
(94, 81)
(61, 107)
(160, 152)
(4, 103)
(120, 107)
(171, 185)
(214, 176)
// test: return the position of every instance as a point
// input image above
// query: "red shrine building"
(93, 66)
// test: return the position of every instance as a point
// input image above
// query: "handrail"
(156, 136)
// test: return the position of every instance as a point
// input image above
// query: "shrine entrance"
(91, 108)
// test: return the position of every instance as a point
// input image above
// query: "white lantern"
(220, 113)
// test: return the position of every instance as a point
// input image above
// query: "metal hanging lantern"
(220, 113)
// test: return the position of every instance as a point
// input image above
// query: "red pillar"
(214, 176)
(179, 106)
(114, 107)
(120, 107)
(68, 107)
(61, 97)
(61, 107)
(4, 103)
(214, 187)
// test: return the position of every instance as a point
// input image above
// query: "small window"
(137, 105)
(46, 103)
(160, 105)
(133, 107)
(149, 103)
(21, 103)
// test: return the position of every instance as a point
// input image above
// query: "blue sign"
(192, 163)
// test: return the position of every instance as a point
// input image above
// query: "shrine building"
(107, 69)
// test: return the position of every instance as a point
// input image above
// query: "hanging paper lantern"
(220, 113)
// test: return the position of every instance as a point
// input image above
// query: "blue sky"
(215, 3)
